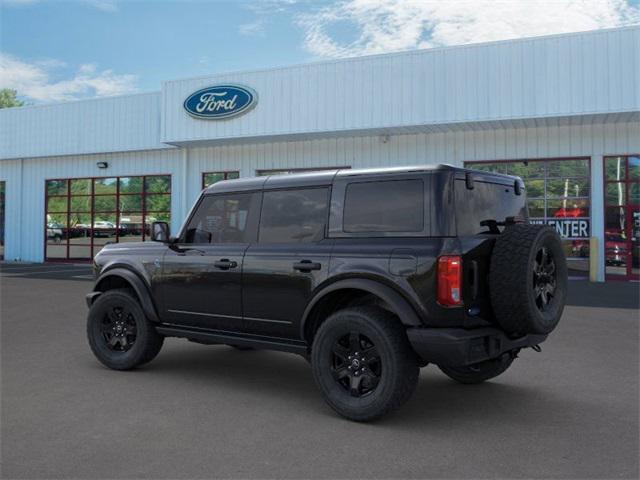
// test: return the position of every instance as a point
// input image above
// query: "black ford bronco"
(369, 274)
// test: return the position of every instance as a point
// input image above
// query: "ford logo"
(220, 101)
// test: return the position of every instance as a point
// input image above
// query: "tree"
(8, 98)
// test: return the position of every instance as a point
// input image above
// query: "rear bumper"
(456, 347)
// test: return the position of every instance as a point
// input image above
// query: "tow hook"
(536, 348)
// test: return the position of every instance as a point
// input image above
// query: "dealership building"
(561, 111)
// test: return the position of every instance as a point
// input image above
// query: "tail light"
(449, 280)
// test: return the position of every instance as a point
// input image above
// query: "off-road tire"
(479, 372)
(513, 279)
(399, 369)
(144, 348)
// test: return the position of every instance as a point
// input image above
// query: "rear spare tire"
(528, 279)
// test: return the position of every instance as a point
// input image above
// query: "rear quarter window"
(392, 206)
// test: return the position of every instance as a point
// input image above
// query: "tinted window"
(224, 219)
(487, 201)
(387, 206)
(294, 216)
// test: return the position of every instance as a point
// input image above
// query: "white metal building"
(562, 111)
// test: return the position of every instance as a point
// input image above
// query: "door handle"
(306, 266)
(225, 264)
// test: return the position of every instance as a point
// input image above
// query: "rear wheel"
(363, 363)
(479, 372)
(119, 333)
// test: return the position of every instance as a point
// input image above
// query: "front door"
(202, 272)
(622, 217)
(290, 259)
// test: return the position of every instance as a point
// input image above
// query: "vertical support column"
(21, 234)
(184, 192)
(597, 216)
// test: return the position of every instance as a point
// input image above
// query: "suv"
(369, 274)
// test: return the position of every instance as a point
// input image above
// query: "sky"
(55, 50)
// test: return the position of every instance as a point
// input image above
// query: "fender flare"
(397, 302)
(138, 285)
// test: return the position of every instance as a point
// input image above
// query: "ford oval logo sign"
(220, 101)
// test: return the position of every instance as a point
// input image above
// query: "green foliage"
(8, 98)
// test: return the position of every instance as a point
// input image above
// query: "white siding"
(592, 73)
(115, 124)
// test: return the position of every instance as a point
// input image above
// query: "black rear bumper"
(456, 347)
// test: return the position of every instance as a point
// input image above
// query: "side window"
(227, 218)
(294, 216)
(384, 206)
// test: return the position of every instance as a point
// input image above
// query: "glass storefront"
(84, 214)
(209, 178)
(558, 194)
(622, 216)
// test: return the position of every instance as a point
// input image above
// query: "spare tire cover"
(528, 279)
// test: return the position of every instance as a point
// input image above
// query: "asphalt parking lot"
(211, 411)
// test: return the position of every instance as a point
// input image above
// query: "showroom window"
(558, 194)
(622, 216)
(209, 178)
(263, 173)
(84, 214)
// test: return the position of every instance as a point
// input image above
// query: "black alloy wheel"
(356, 364)
(119, 333)
(363, 363)
(544, 278)
(119, 329)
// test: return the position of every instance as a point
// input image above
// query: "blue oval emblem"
(220, 101)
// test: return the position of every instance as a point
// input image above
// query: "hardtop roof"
(326, 177)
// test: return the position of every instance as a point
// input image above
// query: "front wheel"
(363, 363)
(479, 372)
(119, 333)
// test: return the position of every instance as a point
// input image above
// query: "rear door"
(202, 273)
(289, 260)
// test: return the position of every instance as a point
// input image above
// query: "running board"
(212, 337)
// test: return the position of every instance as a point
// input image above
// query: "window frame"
(93, 245)
(325, 232)
(336, 216)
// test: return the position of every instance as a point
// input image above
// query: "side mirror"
(160, 232)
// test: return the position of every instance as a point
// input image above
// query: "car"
(369, 274)
(54, 232)
(103, 228)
